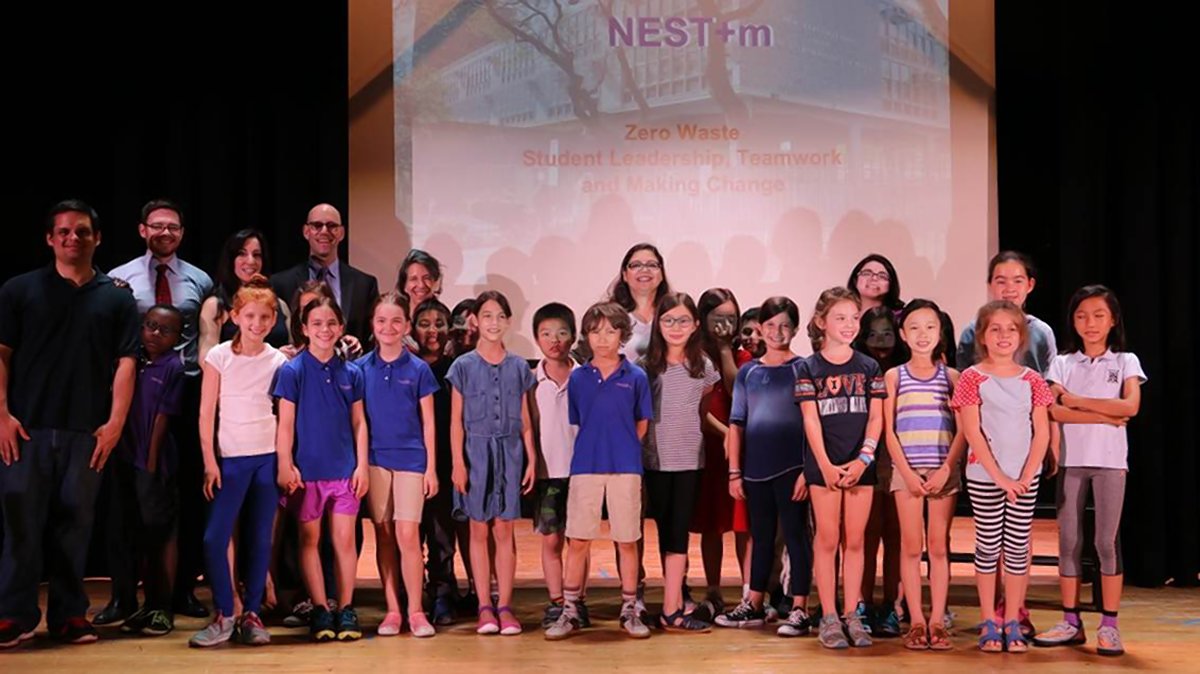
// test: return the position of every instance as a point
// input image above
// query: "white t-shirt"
(1095, 445)
(246, 423)
(635, 348)
(556, 435)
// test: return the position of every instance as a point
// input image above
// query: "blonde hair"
(987, 314)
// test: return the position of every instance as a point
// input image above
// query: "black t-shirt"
(66, 341)
(843, 395)
(441, 421)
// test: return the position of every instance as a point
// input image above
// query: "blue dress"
(494, 449)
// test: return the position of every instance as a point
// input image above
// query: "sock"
(556, 600)
(1071, 617)
(570, 598)
(1109, 619)
(745, 591)
(628, 598)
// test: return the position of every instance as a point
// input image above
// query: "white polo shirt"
(1094, 445)
(556, 435)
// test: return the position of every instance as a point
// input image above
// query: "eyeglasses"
(639, 266)
(160, 227)
(682, 321)
(331, 226)
(867, 275)
(164, 330)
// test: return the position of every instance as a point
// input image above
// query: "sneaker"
(509, 625)
(831, 634)
(582, 614)
(887, 625)
(743, 615)
(300, 616)
(856, 630)
(1062, 634)
(390, 626)
(488, 622)
(1108, 641)
(770, 613)
(159, 623)
(251, 631)
(562, 628)
(11, 634)
(550, 615)
(133, 624)
(642, 613)
(948, 621)
(321, 624)
(631, 621)
(710, 608)
(443, 611)
(347, 625)
(796, 624)
(419, 624)
(76, 630)
(218, 632)
(114, 612)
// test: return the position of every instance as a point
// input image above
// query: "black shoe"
(75, 631)
(134, 623)
(582, 614)
(347, 625)
(190, 607)
(116, 611)
(321, 625)
(468, 604)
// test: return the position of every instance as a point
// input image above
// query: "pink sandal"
(487, 625)
(509, 625)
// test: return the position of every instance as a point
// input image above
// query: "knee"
(938, 547)
(826, 540)
(385, 531)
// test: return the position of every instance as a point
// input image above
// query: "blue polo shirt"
(393, 402)
(159, 390)
(606, 412)
(323, 394)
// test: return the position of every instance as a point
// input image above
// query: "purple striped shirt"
(924, 421)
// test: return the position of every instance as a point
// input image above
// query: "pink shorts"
(316, 497)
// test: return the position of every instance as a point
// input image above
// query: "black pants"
(770, 504)
(438, 533)
(142, 518)
(671, 501)
(192, 506)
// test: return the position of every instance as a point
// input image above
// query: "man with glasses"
(160, 277)
(354, 290)
(68, 340)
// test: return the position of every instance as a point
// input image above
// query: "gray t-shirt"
(675, 441)
(1005, 416)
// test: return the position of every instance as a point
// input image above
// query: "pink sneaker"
(391, 625)
(486, 624)
(509, 625)
(420, 626)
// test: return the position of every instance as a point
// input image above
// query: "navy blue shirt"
(764, 403)
(393, 403)
(607, 412)
(159, 390)
(323, 394)
(843, 395)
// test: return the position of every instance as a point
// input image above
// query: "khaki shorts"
(953, 483)
(587, 496)
(395, 495)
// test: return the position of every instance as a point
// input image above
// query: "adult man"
(68, 339)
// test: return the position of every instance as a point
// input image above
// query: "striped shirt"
(675, 441)
(924, 421)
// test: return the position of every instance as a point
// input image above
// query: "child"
(841, 394)
(718, 512)
(241, 485)
(464, 332)
(609, 401)
(398, 389)
(1098, 388)
(681, 379)
(877, 339)
(926, 449)
(491, 440)
(554, 327)
(322, 447)
(144, 486)
(440, 532)
(1011, 277)
(750, 343)
(766, 468)
(1002, 407)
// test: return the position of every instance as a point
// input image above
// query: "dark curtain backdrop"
(243, 119)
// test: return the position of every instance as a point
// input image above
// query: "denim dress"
(494, 449)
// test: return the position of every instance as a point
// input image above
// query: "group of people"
(275, 411)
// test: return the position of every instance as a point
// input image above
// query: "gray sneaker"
(563, 626)
(860, 636)
(218, 632)
(1108, 641)
(251, 631)
(631, 622)
(796, 624)
(831, 634)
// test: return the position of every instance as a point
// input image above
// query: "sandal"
(990, 640)
(683, 622)
(1014, 639)
(509, 625)
(487, 625)
(917, 638)
(939, 639)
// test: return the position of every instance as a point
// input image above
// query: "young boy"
(145, 495)
(608, 399)
(554, 328)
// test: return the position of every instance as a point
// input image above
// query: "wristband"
(866, 458)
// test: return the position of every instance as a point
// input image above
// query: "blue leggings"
(249, 482)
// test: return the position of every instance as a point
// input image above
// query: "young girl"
(1003, 410)
(766, 468)
(681, 378)
(841, 395)
(1098, 388)
(750, 343)
(322, 448)
(926, 449)
(491, 440)
(241, 485)
(399, 389)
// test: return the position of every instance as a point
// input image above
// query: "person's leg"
(192, 507)
(1018, 531)
(987, 505)
(409, 542)
(157, 517)
(481, 562)
(224, 513)
(912, 541)
(25, 490)
(856, 503)
(119, 508)
(827, 506)
(941, 515)
(793, 519)
(764, 518)
(680, 505)
(310, 562)
(506, 559)
(259, 519)
(72, 508)
(381, 502)
(341, 527)
(872, 537)
(891, 551)
(1108, 493)
(1071, 500)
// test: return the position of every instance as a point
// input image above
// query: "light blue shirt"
(189, 286)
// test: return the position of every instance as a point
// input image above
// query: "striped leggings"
(1001, 526)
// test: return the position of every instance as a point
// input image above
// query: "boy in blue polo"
(609, 400)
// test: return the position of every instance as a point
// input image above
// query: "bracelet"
(867, 459)
(870, 443)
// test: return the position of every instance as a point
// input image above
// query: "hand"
(1050, 465)
(800, 490)
(106, 438)
(458, 476)
(527, 480)
(152, 462)
(212, 481)
(723, 333)
(352, 346)
(852, 473)
(289, 350)
(359, 481)
(936, 481)
(1119, 422)
(289, 478)
(832, 475)
(736, 490)
(11, 434)
(431, 484)
(1069, 400)
(1012, 489)
(1027, 482)
(913, 482)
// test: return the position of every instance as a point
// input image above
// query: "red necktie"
(162, 287)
